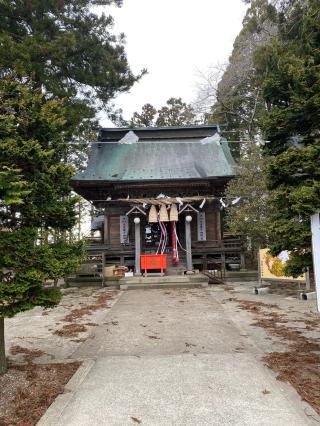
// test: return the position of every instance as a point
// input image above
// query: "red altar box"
(153, 261)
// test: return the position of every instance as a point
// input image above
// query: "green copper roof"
(157, 160)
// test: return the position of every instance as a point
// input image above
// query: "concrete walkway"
(174, 357)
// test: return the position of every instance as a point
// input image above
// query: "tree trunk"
(3, 363)
(79, 224)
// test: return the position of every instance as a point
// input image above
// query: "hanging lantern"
(153, 215)
(173, 213)
(163, 214)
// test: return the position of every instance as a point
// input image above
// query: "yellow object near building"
(272, 268)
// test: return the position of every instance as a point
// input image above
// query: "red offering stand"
(153, 261)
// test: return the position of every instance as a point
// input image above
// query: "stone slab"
(180, 390)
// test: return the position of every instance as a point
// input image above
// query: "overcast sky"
(173, 39)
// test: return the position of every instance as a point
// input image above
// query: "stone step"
(165, 279)
(189, 280)
(152, 280)
(238, 276)
(164, 285)
(91, 281)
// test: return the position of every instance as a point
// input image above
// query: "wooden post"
(259, 267)
(315, 230)
(242, 261)
(103, 267)
(106, 228)
(188, 244)
(3, 363)
(308, 279)
(223, 260)
(137, 245)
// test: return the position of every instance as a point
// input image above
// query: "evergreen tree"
(59, 63)
(147, 117)
(250, 217)
(65, 47)
(68, 51)
(35, 198)
(290, 66)
(174, 113)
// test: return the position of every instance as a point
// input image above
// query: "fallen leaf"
(136, 420)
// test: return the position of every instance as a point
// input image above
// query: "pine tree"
(174, 113)
(69, 52)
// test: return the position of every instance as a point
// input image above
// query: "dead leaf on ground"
(71, 330)
(136, 420)
(154, 337)
(28, 354)
(37, 386)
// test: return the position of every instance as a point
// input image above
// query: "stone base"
(308, 296)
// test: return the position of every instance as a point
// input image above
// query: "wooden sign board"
(202, 233)
(124, 229)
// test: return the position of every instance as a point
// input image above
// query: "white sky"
(173, 39)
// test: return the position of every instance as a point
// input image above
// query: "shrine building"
(160, 193)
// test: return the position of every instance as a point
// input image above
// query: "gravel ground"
(59, 331)
(35, 340)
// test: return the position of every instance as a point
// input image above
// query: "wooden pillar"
(223, 260)
(188, 244)
(218, 225)
(137, 245)
(106, 233)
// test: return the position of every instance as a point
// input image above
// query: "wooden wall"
(114, 229)
(213, 231)
(213, 224)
